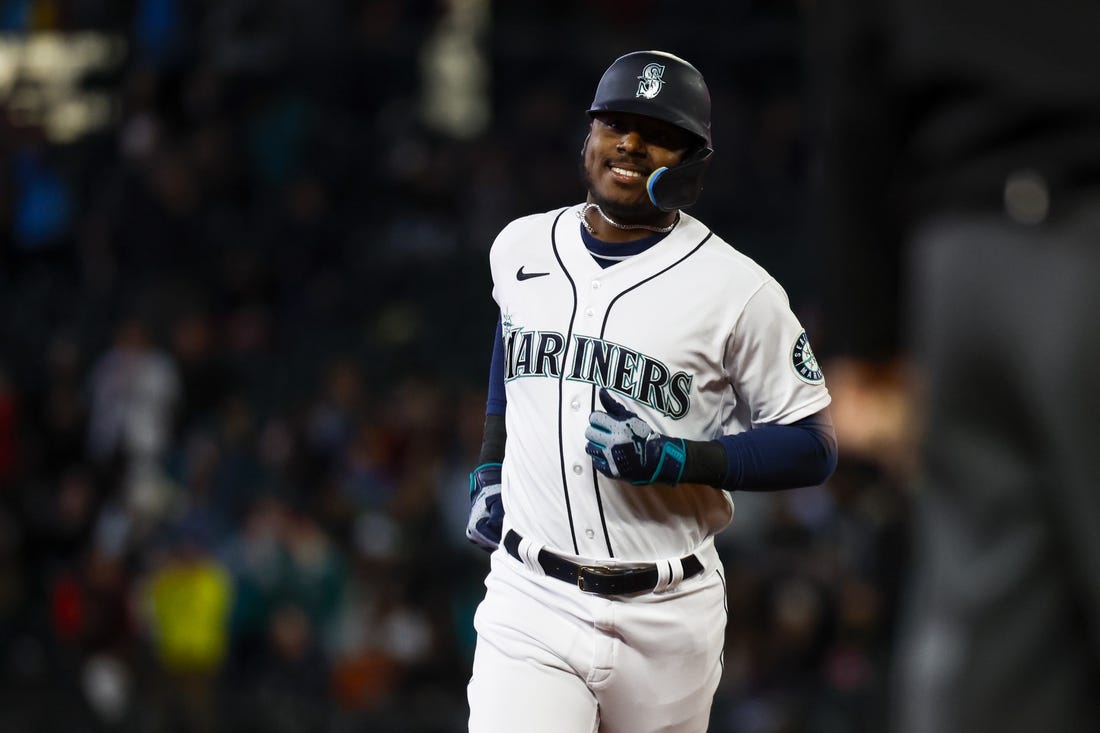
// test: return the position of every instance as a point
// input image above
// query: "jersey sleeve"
(770, 362)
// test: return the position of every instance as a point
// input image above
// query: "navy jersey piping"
(603, 333)
(561, 382)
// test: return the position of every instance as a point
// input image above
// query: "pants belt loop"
(669, 574)
(529, 555)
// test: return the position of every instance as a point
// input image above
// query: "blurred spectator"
(314, 574)
(189, 599)
(220, 469)
(134, 388)
(253, 556)
(340, 404)
(289, 689)
(44, 209)
(91, 617)
(62, 420)
(205, 379)
(160, 31)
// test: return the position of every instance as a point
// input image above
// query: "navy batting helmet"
(665, 87)
(656, 84)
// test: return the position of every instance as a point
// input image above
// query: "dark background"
(245, 337)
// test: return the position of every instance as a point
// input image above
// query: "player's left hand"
(624, 446)
(486, 508)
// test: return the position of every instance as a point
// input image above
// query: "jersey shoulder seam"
(723, 250)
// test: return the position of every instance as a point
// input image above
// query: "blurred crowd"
(245, 343)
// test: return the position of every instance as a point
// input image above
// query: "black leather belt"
(600, 579)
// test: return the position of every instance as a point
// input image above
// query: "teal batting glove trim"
(473, 476)
(676, 449)
(671, 457)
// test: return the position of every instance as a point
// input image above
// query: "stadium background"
(245, 341)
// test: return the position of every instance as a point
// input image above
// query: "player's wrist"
(665, 457)
(704, 463)
(487, 474)
(494, 437)
(678, 461)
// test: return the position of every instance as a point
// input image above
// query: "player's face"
(621, 151)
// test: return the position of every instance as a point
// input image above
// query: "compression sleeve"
(774, 457)
(494, 435)
(496, 402)
(769, 458)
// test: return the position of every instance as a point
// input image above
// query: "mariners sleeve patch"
(804, 362)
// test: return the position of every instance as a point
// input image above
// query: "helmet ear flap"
(671, 189)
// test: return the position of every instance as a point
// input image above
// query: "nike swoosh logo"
(521, 275)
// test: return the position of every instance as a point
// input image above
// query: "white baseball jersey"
(692, 335)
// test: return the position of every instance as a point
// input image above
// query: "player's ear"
(584, 145)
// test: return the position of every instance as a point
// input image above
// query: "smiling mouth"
(627, 173)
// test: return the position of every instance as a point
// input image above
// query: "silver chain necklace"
(583, 216)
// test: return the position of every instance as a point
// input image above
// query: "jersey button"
(589, 312)
(578, 469)
(589, 533)
(575, 404)
(595, 284)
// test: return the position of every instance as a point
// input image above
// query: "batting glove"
(486, 507)
(624, 446)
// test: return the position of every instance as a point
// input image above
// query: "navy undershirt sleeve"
(496, 402)
(773, 457)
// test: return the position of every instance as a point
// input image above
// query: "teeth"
(625, 172)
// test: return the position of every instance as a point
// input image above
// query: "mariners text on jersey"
(598, 362)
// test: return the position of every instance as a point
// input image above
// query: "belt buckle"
(598, 570)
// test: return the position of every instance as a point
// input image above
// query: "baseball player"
(643, 370)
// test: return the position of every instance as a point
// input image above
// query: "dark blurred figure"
(288, 690)
(963, 166)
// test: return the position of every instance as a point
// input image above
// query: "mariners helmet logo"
(651, 81)
(804, 362)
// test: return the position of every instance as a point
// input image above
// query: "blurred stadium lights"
(455, 72)
(42, 77)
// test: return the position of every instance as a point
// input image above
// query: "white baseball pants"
(552, 659)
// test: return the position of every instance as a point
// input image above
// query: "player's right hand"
(486, 507)
(624, 446)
